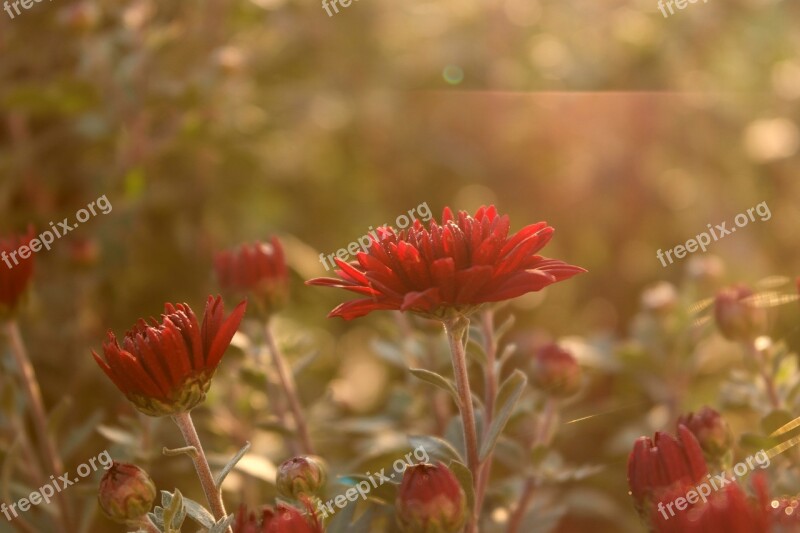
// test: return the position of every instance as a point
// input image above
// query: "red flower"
(284, 519)
(126, 492)
(737, 315)
(259, 269)
(665, 475)
(711, 430)
(555, 371)
(166, 369)
(448, 269)
(15, 272)
(728, 510)
(430, 499)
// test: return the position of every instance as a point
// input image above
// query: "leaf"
(435, 448)
(231, 464)
(510, 391)
(386, 491)
(436, 380)
(118, 436)
(389, 353)
(57, 415)
(505, 327)
(304, 362)
(199, 513)
(174, 511)
(464, 477)
(223, 525)
(342, 519)
(477, 353)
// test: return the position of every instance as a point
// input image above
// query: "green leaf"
(230, 466)
(505, 327)
(198, 513)
(464, 477)
(510, 391)
(174, 511)
(386, 491)
(435, 448)
(476, 352)
(436, 380)
(223, 525)
(342, 519)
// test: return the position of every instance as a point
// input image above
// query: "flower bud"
(126, 492)
(738, 318)
(283, 519)
(430, 500)
(304, 475)
(555, 371)
(711, 430)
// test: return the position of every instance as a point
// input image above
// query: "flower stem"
(541, 437)
(763, 368)
(290, 390)
(456, 328)
(522, 506)
(490, 395)
(33, 393)
(213, 494)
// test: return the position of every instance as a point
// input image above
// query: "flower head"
(258, 269)
(430, 500)
(727, 510)
(449, 269)
(663, 464)
(665, 475)
(166, 368)
(15, 271)
(301, 476)
(126, 492)
(737, 315)
(284, 519)
(555, 371)
(711, 431)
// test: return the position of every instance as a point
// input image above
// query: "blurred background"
(215, 122)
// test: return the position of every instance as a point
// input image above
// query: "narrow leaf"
(231, 464)
(436, 380)
(510, 391)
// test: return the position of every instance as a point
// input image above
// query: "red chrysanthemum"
(663, 471)
(449, 269)
(430, 499)
(258, 269)
(15, 272)
(165, 369)
(284, 519)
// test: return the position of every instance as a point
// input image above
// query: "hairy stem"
(213, 494)
(290, 390)
(30, 386)
(490, 396)
(522, 506)
(456, 328)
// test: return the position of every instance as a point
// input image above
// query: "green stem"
(456, 328)
(33, 393)
(290, 390)
(212, 492)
